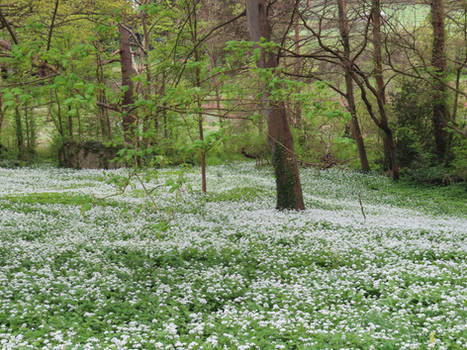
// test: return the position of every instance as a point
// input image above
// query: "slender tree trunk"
(378, 71)
(216, 89)
(52, 24)
(128, 119)
(201, 130)
(355, 127)
(390, 154)
(203, 155)
(28, 128)
(289, 190)
(49, 107)
(19, 131)
(298, 105)
(148, 88)
(194, 33)
(164, 111)
(103, 113)
(32, 129)
(218, 104)
(438, 61)
(2, 114)
(70, 124)
(59, 117)
(80, 130)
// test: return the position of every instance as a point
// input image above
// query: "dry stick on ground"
(361, 205)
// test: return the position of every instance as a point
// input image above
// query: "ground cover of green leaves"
(80, 269)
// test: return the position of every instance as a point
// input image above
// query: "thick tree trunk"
(438, 61)
(355, 127)
(289, 190)
(390, 155)
(126, 58)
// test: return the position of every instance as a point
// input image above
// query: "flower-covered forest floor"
(82, 267)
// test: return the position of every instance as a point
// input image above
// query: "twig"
(361, 205)
(8, 27)
(148, 193)
(52, 24)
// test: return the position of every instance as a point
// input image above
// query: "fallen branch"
(361, 206)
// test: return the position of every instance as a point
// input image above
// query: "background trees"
(366, 84)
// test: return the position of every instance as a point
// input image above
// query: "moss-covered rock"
(88, 155)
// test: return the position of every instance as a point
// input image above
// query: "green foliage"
(459, 163)
(413, 129)
(318, 133)
(238, 194)
(83, 201)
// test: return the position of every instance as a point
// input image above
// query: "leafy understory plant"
(150, 182)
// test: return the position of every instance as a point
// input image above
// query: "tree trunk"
(298, 105)
(200, 126)
(80, 130)
(194, 36)
(289, 190)
(126, 58)
(2, 114)
(29, 132)
(147, 90)
(59, 117)
(438, 61)
(390, 155)
(103, 113)
(70, 124)
(19, 132)
(355, 127)
(164, 110)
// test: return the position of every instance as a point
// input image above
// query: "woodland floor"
(79, 270)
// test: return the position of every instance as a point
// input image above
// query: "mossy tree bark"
(289, 190)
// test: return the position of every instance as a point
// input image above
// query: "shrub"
(413, 128)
